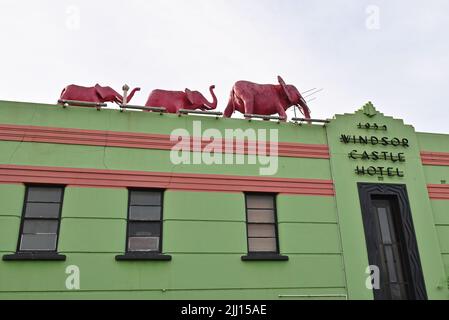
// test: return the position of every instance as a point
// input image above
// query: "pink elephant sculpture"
(173, 101)
(96, 94)
(265, 99)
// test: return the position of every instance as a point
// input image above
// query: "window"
(38, 237)
(40, 221)
(262, 228)
(144, 234)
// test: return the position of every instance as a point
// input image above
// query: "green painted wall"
(206, 232)
(434, 142)
(24, 153)
(347, 197)
(205, 240)
(436, 175)
(142, 122)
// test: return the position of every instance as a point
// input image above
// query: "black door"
(393, 270)
(391, 242)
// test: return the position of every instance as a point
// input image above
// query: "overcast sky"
(394, 53)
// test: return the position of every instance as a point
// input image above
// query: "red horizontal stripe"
(435, 158)
(438, 191)
(164, 180)
(144, 141)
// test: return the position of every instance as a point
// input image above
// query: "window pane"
(43, 194)
(399, 270)
(259, 201)
(144, 229)
(42, 210)
(261, 230)
(384, 225)
(143, 244)
(145, 213)
(40, 226)
(38, 242)
(145, 198)
(265, 216)
(391, 263)
(262, 245)
(398, 292)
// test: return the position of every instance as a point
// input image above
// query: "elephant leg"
(180, 105)
(282, 113)
(228, 111)
(249, 106)
(230, 108)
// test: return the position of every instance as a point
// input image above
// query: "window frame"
(24, 219)
(160, 221)
(38, 255)
(263, 255)
(275, 223)
(145, 255)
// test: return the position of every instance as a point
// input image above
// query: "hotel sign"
(386, 160)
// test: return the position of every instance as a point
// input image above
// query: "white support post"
(125, 89)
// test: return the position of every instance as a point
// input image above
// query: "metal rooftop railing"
(162, 110)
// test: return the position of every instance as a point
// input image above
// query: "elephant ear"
(190, 96)
(102, 91)
(285, 88)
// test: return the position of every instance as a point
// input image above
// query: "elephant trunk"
(117, 97)
(305, 108)
(131, 95)
(212, 105)
(306, 111)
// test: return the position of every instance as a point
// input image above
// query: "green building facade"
(324, 175)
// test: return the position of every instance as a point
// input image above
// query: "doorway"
(391, 242)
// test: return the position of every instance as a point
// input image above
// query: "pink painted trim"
(175, 181)
(435, 158)
(141, 140)
(438, 191)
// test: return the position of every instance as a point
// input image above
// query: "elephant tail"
(62, 96)
(231, 105)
